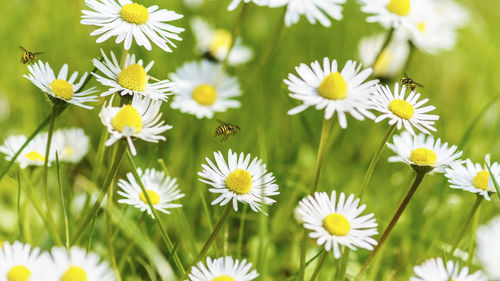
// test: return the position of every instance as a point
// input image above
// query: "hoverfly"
(28, 57)
(225, 129)
(412, 84)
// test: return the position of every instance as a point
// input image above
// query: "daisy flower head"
(235, 3)
(77, 264)
(313, 10)
(128, 20)
(404, 112)
(488, 248)
(437, 270)
(393, 13)
(72, 144)
(239, 180)
(336, 222)
(423, 152)
(334, 90)
(59, 88)
(133, 79)
(223, 269)
(203, 89)
(215, 43)
(32, 155)
(161, 190)
(141, 119)
(19, 261)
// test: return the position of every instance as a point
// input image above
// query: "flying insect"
(28, 57)
(412, 84)
(225, 129)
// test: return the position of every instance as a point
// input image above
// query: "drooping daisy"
(223, 269)
(313, 10)
(335, 92)
(71, 144)
(215, 43)
(61, 88)
(203, 88)
(32, 155)
(20, 262)
(406, 112)
(133, 79)
(423, 151)
(488, 248)
(393, 58)
(161, 191)
(239, 180)
(235, 3)
(436, 270)
(80, 265)
(128, 20)
(141, 119)
(337, 223)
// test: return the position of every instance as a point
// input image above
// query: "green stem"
(52, 124)
(384, 45)
(65, 211)
(239, 244)
(109, 230)
(294, 275)
(236, 31)
(342, 269)
(411, 51)
(126, 253)
(319, 265)
(475, 207)
(20, 217)
(475, 223)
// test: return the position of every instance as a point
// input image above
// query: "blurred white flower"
(488, 247)
(223, 269)
(72, 144)
(392, 59)
(33, 154)
(436, 270)
(19, 261)
(313, 10)
(77, 264)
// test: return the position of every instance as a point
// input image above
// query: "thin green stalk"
(475, 207)
(475, 223)
(342, 269)
(411, 51)
(236, 31)
(109, 235)
(123, 58)
(319, 265)
(19, 213)
(294, 275)
(52, 124)
(65, 211)
(239, 243)
(89, 242)
(384, 45)
(474, 122)
(126, 253)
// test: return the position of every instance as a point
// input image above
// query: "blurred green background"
(460, 83)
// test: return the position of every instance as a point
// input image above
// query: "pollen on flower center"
(34, 155)
(74, 273)
(134, 13)
(128, 116)
(239, 181)
(223, 278)
(423, 157)
(481, 180)
(153, 196)
(399, 7)
(133, 77)
(204, 94)
(402, 108)
(333, 87)
(336, 224)
(221, 39)
(18, 273)
(62, 89)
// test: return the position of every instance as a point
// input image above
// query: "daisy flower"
(436, 270)
(32, 155)
(327, 88)
(239, 180)
(80, 265)
(215, 43)
(488, 247)
(141, 120)
(128, 20)
(132, 79)
(71, 144)
(423, 151)
(406, 112)
(161, 191)
(337, 223)
(19, 261)
(61, 88)
(235, 3)
(223, 269)
(203, 89)
(313, 10)
(392, 59)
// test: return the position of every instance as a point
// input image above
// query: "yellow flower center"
(481, 180)
(133, 77)
(62, 89)
(68, 151)
(153, 196)
(239, 181)
(74, 273)
(402, 108)
(337, 224)
(221, 39)
(223, 278)
(423, 157)
(18, 273)
(421, 27)
(382, 63)
(134, 13)
(399, 7)
(34, 155)
(127, 116)
(333, 87)
(204, 94)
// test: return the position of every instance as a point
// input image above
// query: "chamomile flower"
(61, 88)
(313, 10)
(334, 91)
(239, 180)
(235, 3)
(336, 222)
(161, 190)
(488, 247)
(77, 264)
(203, 88)
(393, 58)
(404, 112)
(72, 144)
(141, 119)
(128, 20)
(32, 155)
(436, 270)
(223, 269)
(133, 79)
(215, 43)
(424, 152)
(19, 261)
